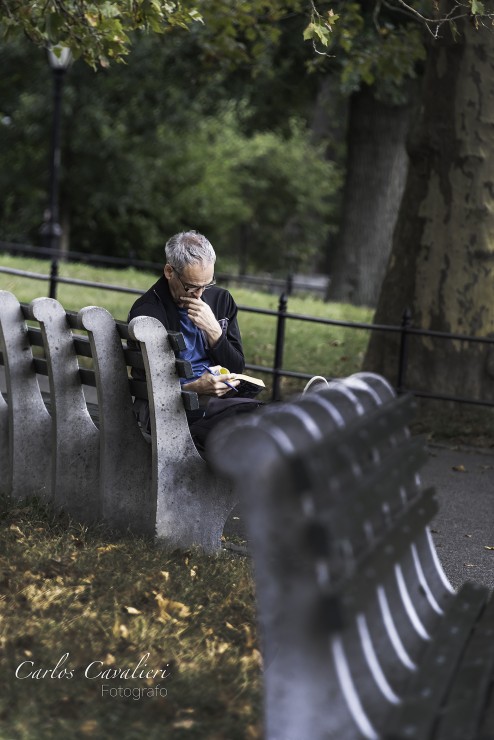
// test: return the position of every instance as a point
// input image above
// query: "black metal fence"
(282, 315)
(289, 285)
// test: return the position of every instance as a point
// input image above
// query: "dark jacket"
(227, 351)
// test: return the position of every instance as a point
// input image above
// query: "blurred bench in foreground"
(363, 636)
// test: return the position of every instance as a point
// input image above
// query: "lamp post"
(51, 231)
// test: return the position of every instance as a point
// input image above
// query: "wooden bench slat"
(184, 369)
(472, 682)
(365, 495)
(87, 376)
(177, 341)
(81, 343)
(417, 716)
(35, 336)
(378, 560)
(385, 421)
(40, 365)
(82, 346)
(122, 329)
(190, 400)
(134, 358)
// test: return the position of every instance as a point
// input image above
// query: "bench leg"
(192, 504)
(75, 451)
(27, 455)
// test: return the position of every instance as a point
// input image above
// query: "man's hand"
(211, 385)
(202, 316)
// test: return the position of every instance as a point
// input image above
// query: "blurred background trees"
(234, 126)
(372, 135)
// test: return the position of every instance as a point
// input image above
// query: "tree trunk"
(376, 173)
(441, 266)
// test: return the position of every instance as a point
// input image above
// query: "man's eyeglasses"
(188, 288)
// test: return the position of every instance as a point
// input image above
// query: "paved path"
(464, 527)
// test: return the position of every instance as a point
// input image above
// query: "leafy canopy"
(433, 14)
(96, 31)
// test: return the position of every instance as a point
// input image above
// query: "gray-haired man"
(186, 299)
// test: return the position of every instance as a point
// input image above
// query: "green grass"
(97, 596)
(66, 588)
(309, 348)
(69, 589)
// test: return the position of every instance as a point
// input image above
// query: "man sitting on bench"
(185, 299)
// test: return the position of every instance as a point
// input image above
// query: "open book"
(248, 386)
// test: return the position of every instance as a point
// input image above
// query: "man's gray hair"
(188, 248)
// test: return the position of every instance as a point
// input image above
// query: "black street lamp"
(51, 231)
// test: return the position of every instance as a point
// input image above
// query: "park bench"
(90, 458)
(363, 635)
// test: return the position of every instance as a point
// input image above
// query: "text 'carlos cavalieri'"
(94, 670)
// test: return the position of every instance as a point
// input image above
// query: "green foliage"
(141, 160)
(257, 185)
(96, 31)
(320, 27)
(380, 50)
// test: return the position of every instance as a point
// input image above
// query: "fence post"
(406, 322)
(279, 347)
(53, 277)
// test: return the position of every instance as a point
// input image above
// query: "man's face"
(191, 281)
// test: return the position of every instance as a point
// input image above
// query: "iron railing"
(288, 285)
(282, 315)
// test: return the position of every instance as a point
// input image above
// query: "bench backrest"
(92, 460)
(349, 586)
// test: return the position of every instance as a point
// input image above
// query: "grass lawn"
(96, 605)
(309, 348)
(73, 597)
(82, 609)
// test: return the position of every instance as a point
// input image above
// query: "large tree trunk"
(376, 173)
(441, 266)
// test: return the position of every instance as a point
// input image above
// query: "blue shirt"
(196, 349)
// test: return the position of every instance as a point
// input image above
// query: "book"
(248, 387)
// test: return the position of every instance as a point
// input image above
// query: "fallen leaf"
(488, 547)
(108, 548)
(469, 565)
(459, 468)
(132, 610)
(184, 724)
(249, 640)
(120, 630)
(171, 608)
(89, 727)
(468, 535)
(216, 647)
